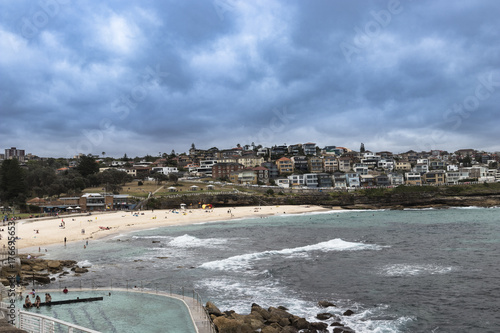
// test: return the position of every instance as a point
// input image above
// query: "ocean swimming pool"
(120, 312)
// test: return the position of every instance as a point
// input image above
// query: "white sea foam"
(151, 237)
(243, 261)
(415, 269)
(331, 212)
(237, 294)
(363, 321)
(468, 207)
(186, 241)
(84, 264)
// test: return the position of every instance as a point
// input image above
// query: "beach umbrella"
(69, 208)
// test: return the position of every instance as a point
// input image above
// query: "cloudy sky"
(144, 77)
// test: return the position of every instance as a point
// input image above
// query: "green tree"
(159, 177)
(39, 179)
(87, 166)
(467, 161)
(13, 187)
(173, 178)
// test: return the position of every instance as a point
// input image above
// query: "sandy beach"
(78, 227)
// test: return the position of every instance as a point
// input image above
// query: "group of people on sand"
(38, 300)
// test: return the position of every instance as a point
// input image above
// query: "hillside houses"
(309, 166)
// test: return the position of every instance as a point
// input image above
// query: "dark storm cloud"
(142, 77)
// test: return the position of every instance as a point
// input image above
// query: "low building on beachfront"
(86, 202)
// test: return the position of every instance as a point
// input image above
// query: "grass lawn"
(182, 187)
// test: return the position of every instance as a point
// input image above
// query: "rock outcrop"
(38, 269)
(271, 320)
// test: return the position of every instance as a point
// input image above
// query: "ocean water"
(399, 271)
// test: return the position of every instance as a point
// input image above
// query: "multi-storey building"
(315, 164)
(165, 170)
(344, 164)
(403, 165)
(309, 148)
(300, 163)
(436, 177)
(454, 177)
(250, 161)
(339, 180)
(272, 169)
(13, 152)
(325, 180)
(285, 165)
(352, 179)
(413, 178)
(262, 174)
(330, 164)
(223, 170)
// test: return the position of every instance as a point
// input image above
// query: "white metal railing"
(36, 323)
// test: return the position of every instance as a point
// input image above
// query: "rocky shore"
(275, 320)
(41, 270)
(397, 198)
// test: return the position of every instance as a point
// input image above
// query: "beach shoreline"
(40, 233)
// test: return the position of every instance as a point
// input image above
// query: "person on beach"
(27, 302)
(48, 298)
(37, 301)
(64, 240)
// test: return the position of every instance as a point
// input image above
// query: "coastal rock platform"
(271, 320)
